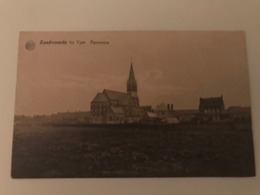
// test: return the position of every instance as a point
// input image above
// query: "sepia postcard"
(115, 104)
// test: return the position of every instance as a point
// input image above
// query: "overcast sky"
(170, 67)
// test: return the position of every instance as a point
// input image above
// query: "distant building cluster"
(114, 107)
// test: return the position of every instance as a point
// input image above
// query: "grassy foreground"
(182, 151)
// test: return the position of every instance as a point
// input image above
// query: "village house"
(211, 108)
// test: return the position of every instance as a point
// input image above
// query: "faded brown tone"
(175, 67)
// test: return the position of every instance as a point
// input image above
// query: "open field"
(181, 151)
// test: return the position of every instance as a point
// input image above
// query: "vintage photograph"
(116, 104)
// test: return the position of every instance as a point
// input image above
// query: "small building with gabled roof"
(212, 108)
(212, 105)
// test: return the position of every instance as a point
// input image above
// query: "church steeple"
(131, 82)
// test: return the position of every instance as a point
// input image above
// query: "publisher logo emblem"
(30, 45)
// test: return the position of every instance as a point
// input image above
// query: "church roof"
(100, 97)
(121, 97)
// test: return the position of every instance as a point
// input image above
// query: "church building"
(115, 107)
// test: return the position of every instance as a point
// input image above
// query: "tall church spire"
(131, 74)
(131, 82)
